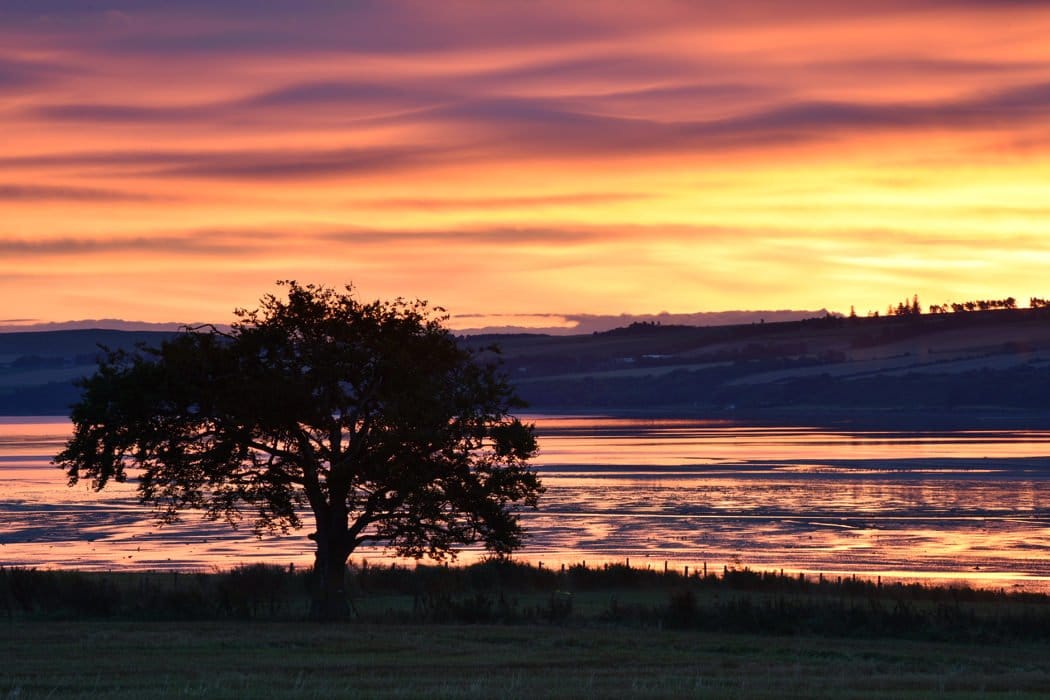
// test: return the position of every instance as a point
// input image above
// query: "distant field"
(299, 660)
(39, 377)
(632, 372)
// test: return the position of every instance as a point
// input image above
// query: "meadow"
(119, 659)
(514, 630)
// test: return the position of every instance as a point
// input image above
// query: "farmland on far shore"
(982, 366)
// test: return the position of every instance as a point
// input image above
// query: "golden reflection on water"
(624, 441)
(945, 506)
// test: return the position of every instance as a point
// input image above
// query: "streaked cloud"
(43, 193)
(548, 128)
(468, 203)
(261, 164)
(20, 76)
(96, 246)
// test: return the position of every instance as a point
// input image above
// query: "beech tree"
(370, 417)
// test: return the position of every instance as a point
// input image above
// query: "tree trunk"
(330, 603)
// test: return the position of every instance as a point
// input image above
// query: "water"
(960, 506)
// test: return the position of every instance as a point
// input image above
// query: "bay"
(950, 506)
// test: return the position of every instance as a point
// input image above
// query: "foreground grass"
(111, 659)
(503, 592)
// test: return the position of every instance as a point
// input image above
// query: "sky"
(508, 161)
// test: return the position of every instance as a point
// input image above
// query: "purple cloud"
(168, 244)
(21, 76)
(454, 203)
(43, 193)
(247, 164)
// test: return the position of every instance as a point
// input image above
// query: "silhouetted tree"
(906, 308)
(370, 415)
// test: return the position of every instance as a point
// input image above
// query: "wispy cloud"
(469, 203)
(181, 245)
(44, 193)
(258, 164)
(20, 76)
(542, 128)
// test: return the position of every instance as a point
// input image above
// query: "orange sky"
(168, 161)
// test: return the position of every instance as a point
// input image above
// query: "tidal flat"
(965, 507)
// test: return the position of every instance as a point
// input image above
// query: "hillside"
(37, 369)
(943, 368)
(982, 364)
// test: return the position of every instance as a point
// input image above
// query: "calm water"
(949, 506)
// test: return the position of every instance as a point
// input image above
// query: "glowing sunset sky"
(170, 160)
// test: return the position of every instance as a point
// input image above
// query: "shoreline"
(898, 419)
(904, 419)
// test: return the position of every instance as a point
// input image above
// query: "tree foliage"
(369, 416)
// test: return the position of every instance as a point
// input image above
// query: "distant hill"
(931, 369)
(89, 324)
(37, 369)
(576, 324)
(954, 367)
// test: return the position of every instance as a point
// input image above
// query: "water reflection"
(944, 506)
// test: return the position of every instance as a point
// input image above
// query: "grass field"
(106, 659)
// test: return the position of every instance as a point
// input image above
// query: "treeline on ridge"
(913, 308)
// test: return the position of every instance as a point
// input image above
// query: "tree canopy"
(369, 416)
